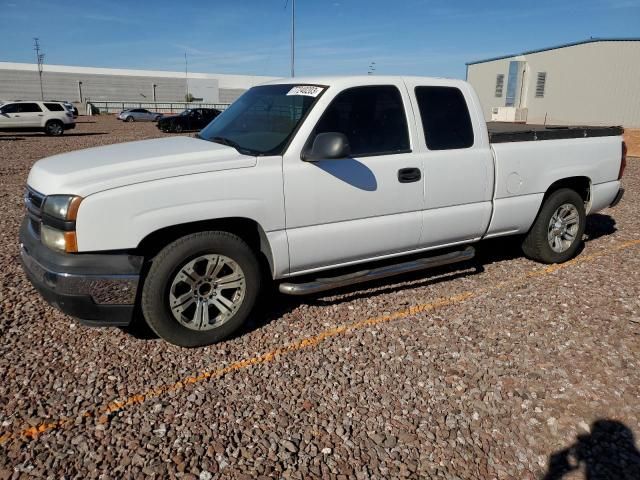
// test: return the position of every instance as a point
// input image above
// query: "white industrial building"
(595, 82)
(81, 84)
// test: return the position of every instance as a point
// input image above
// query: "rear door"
(30, 115)
(344, 210)
(458, 164)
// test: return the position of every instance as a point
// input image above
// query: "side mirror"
(328, 146)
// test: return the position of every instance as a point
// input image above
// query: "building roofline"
(555, 47)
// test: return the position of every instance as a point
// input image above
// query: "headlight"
(62, 207)
(57, 230)
(58, 240)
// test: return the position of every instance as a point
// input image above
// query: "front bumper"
(616, 200)
(97, 289)
(70, 126)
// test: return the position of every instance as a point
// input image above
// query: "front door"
(9, 116)
(340, 211)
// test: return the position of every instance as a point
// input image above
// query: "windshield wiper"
(230, 143)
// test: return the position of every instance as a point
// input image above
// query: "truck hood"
(89, 171)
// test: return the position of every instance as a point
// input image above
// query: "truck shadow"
(273, 304)
(608, 452)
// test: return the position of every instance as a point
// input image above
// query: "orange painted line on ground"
(102, 412)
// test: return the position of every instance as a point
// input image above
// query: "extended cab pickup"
(300, 176)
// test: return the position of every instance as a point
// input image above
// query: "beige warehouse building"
(594, 82)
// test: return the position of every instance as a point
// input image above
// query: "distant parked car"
(190, 119)
(51, 118)
(139, 115)
(72, 108)
(67, 104)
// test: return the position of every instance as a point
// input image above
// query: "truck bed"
(503, 132)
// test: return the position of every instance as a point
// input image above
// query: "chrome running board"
(322, 284)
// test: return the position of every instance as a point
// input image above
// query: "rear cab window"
(372, 118)
(445, 118)
(54, 107)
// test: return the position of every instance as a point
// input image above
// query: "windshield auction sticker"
(306, 90)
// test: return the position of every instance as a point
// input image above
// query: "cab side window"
(372, 118)
(445, 118)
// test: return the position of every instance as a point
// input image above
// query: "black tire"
(177, 128)
(54, 128)
(536, 245)
(129, 119)
(167, 265)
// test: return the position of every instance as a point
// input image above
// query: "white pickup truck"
(296, 177)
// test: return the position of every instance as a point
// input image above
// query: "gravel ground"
(499, 368)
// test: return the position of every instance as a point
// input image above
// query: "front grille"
(33, 201)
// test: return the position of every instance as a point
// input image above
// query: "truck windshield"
(262, 120)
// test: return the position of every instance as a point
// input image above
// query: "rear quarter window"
(54, 107)
(445, 118)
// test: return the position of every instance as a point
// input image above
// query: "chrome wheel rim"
(55, 128)
(563, 228)
(207, 292)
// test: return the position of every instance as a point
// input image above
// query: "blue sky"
(418, 37)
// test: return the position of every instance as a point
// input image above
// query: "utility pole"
(40, 60)
(293, 37)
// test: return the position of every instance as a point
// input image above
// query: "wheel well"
(249, 230)
(52, 120)
(582, 185)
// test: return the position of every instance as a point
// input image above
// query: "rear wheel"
(201, 288)
(557, 232)
(54, 128)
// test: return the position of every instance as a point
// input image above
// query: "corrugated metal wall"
(24, 84)
(593, 83)
(64, 86)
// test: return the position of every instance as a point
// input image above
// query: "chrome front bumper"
(116, 289)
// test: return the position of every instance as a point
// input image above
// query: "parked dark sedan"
(190, 119)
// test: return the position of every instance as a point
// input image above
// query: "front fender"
(120, 218)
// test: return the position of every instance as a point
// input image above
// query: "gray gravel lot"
(490, 369)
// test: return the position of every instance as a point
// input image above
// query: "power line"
(40, 59)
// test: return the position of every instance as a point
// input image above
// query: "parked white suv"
(51, 118)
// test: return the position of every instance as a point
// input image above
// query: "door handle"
(41, 114)
(408, 175)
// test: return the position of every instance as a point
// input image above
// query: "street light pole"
(293, 37)
(40, 59)
(186, 78)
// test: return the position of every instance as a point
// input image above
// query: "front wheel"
(201, 288)
(557, 232)
(177, 128)
(128, 119)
